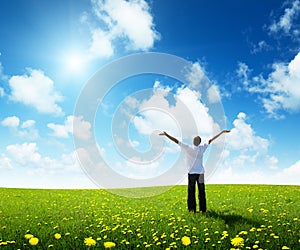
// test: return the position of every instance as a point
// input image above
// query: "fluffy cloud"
(5, 162)
(247, 159)
(285, 176)
(101, 45)
(22, 165)
(243, 72)
(72, 125)
(290, 175)
(35, 89)
(25, 153)
(247, 152)
(281, 90)
(260, 46)
(242, 137)
(196, 76)
(127, 22)
(214, 94)
(285, 22)
(11, 121)
(157, 113)
(26, 130)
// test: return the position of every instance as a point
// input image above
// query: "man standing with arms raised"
(194, 162)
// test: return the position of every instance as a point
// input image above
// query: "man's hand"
(216, 136)
(169, 137)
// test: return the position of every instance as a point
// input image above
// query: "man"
(194, 162)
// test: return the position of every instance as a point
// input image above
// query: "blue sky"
(49, 51)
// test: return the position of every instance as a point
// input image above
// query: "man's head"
(197, 140)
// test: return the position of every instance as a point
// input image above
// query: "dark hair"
(197, 140)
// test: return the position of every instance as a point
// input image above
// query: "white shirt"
(194, 157)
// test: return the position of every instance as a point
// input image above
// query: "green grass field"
(239, 217)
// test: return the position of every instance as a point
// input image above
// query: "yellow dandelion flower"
(255, 246)
(89, 242)
(33, 241)
(186, 240)
(285, 247)
(28, 236)
(109, 244)
(57, 236)
(237, 242)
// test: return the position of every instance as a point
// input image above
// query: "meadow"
(238, 217)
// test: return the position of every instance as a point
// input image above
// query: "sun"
(75, 63)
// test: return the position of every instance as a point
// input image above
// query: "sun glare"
(75, 63)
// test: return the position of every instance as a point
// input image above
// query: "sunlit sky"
(249, 50)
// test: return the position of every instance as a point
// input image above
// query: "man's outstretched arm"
(216, 136)
(169, 136)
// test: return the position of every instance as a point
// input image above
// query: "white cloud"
(285, 176)
(246, 158)
(290, 175)
(2, 93)
(169, 117)
(28, 124)
(22, 165)
(26, 130)
(82, 129)
(196, 76)
(122, 22)
(281, 90)
(243, 73)
(242, 137)
(72, 125)
(101, 45)
(25, 153)
(198, 82)
(5, 162)
(11, 121)
(285, 22)
(214, 94)
(260, 46)
(35, 89)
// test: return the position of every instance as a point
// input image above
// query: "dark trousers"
(191, 201)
